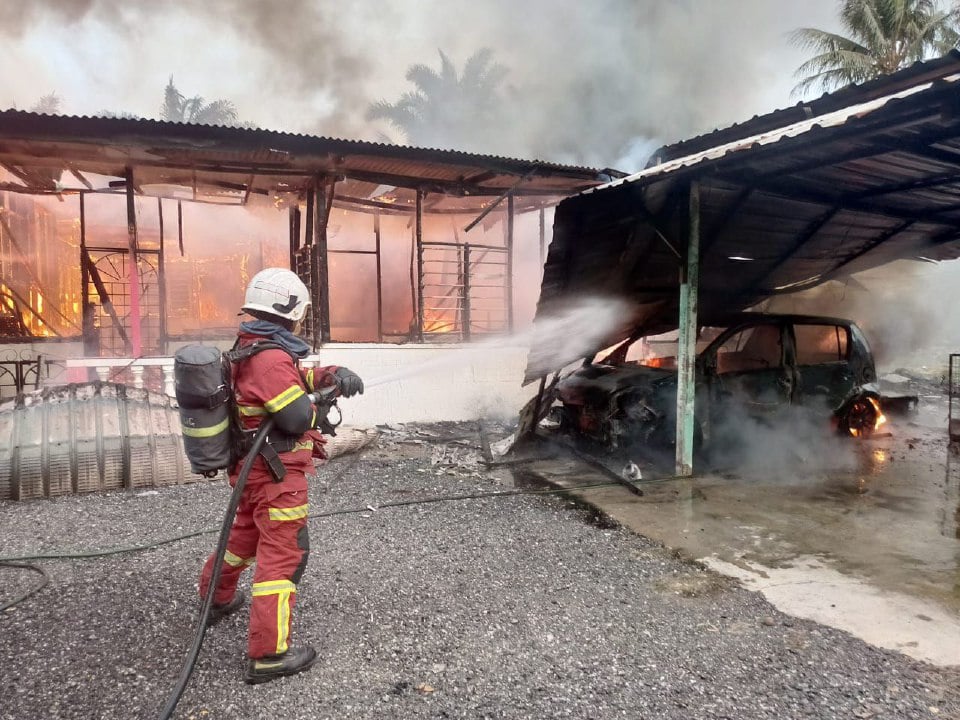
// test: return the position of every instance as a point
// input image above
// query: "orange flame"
(879, 419)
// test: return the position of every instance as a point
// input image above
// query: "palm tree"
(47, 105)
(447, 108)
(179, 108)
(882, 36)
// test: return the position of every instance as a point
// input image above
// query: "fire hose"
(323, 399)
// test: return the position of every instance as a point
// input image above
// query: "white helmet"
(278, 292)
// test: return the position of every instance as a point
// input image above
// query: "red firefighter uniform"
(270, 529)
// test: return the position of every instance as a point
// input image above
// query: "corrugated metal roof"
(106, 146)
(782, 208)
(915, 74)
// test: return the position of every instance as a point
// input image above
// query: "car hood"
(609, 379)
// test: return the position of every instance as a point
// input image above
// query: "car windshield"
(753, 348)
(656, 350)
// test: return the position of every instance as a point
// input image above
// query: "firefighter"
(270, 528)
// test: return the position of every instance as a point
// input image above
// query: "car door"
(747, 368)
(825, 374)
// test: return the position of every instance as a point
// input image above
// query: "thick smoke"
(795, 445)
(904, 310)
(588, 83)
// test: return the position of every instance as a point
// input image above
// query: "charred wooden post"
(510, 264)
(310, 266)
(136, 342)
(376, 236)
(419, 239)
(308, 230)
(294, 236)
(90, 344)
(543, 239)
(687, 339)
(322, 263)
(180, 226)
(105, 301)
(162, 280)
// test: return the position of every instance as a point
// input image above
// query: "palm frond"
(445, 108)
(881, 36)
(172, 108)
(216, 112)
(425, 79)
(49, 104)
(447, 70)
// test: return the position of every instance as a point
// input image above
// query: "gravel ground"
(520, 607)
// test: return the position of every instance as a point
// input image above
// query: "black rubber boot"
(219, 612)
(271, 667)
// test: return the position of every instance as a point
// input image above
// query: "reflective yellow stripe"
(205, 432)
(283, 621)
(310, 379)
(279, 402)
(283, 589)
(302, 446)
(294, 513)
(273, 587)
(252, 410)
(236, 561)
(270, 665)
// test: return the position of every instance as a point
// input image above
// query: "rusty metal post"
(419, 237)
(136, 341)
(376, 234)
(687, 338)
(510, 264)
(465, 309)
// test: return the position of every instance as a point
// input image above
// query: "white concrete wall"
(411, 383)
(405, 383)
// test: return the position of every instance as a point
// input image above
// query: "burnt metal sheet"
(788, 201)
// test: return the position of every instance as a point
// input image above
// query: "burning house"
(123, 239)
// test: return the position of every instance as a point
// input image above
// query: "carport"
(774, 205)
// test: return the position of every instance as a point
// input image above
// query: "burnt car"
(755, 365)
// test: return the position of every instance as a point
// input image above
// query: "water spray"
(559, 339)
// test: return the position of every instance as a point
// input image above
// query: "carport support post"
(687, 339)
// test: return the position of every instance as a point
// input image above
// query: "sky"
(598, 82)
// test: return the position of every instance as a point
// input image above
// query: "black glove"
(348, 382)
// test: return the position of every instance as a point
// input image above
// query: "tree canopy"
(177, 107)
(881, 36)
(447, 108)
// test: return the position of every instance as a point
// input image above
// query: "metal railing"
(465, 290)
(953, 392)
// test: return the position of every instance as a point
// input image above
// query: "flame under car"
(760, 366)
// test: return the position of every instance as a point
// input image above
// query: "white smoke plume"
(584, 81)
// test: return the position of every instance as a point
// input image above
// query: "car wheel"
(859, 419)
